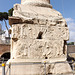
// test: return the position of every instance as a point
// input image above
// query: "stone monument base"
(39, 66)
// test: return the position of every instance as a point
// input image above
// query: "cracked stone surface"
(38, 32)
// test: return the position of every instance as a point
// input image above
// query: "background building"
(4, 45)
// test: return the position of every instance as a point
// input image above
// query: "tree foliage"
(71, 43)
(4, 15)
(10, 12)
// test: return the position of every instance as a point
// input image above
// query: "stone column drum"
(39, 33)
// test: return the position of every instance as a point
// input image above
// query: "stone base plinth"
(38, 67)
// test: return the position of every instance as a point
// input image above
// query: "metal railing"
(8, 69)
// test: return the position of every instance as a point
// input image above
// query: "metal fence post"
(73, 68)
(45, 67)
(9, 68)
(3, 68)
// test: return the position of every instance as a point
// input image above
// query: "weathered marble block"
(39, 33)
(34, 31)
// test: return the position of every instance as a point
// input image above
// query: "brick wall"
(4, 48)
(71, 48)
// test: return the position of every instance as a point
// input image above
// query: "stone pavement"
(0, 70)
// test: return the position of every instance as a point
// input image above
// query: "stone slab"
(32, 32)
(39, 68)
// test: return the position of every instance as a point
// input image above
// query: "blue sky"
(66, 7)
